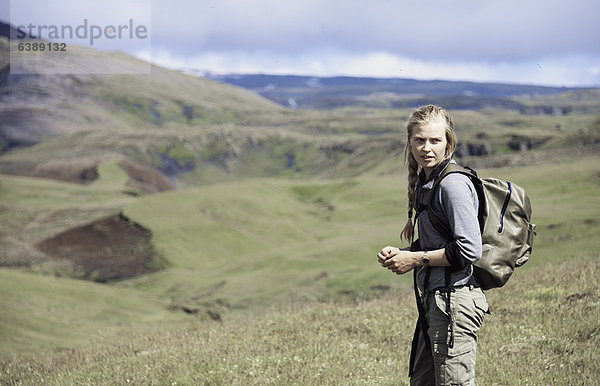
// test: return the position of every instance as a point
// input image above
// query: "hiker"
(451, 304)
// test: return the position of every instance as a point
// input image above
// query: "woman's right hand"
(387, 253)
(397, 260)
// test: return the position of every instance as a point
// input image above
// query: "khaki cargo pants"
(444, 365)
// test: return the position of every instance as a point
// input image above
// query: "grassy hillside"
(36, 108)
(274, 239)
(42, 311)
(310, 144)
(361, 342)
(246, 245)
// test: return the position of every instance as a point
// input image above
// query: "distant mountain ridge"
(400, 85)
(313, 92)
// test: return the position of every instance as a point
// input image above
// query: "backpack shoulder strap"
(453, 168)
(435, 221)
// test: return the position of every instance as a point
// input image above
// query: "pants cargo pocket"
(456, 365)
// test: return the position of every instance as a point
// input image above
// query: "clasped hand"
(396, 260)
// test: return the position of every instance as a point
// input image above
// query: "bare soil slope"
(112, 248)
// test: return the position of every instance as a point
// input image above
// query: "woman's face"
(428, 144)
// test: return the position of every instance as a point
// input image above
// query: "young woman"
(451, 304)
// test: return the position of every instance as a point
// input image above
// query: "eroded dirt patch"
(109, 249)
(64, 170)
(145, 178)
(142, 178)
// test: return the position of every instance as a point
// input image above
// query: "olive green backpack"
(504, 220)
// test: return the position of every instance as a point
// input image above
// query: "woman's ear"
(449, 149)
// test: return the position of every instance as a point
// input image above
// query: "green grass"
(111, 177)
(43, 311)
(268, 238)
(360, 342)
(272, 238)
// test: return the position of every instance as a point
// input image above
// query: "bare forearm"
(437, 258)
(402, 261)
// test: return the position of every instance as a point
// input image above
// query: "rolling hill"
(240, 246)
(45, 107)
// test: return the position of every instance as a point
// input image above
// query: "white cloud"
(537, 41)
(428, 29)
(551, 72)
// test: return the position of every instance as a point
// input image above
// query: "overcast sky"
(546, 42)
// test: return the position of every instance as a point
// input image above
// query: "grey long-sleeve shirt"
(456, 204)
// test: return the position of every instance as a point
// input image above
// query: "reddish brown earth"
(64, 171)
(142, 178)
(109, 249)
(145, 178)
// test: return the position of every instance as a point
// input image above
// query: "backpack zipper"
(504, 206)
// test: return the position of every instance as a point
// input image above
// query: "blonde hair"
(421, 116)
